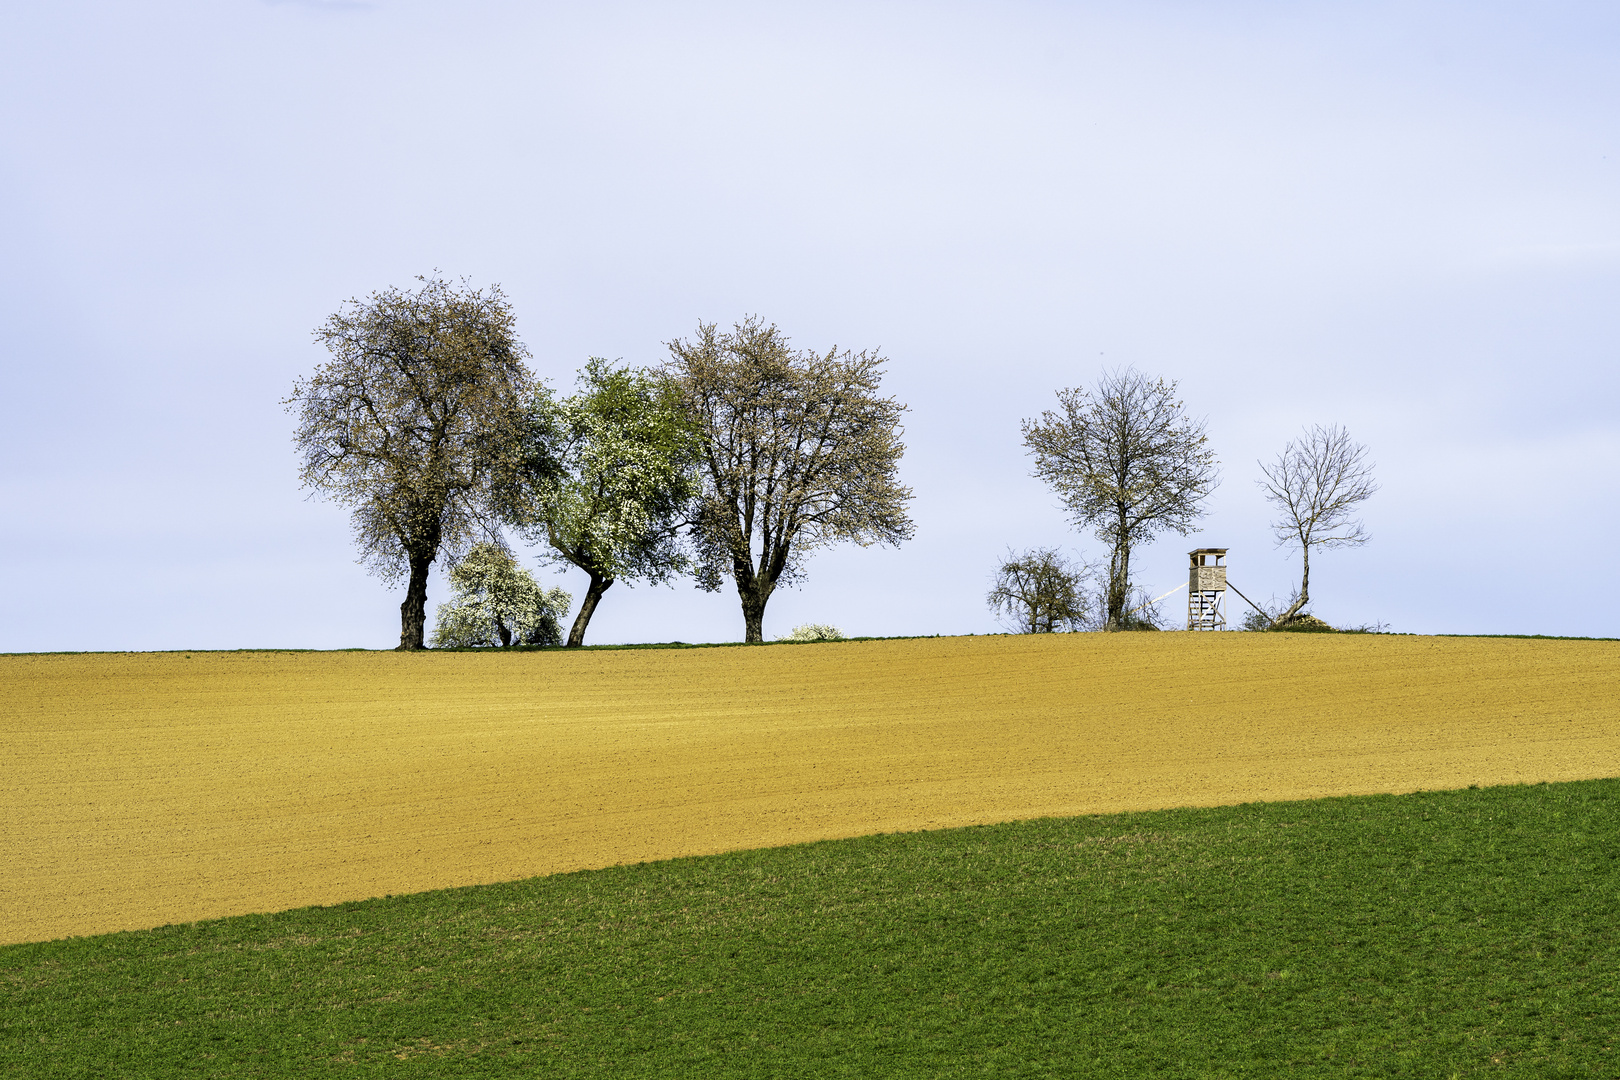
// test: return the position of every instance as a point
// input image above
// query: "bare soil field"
(143, 789)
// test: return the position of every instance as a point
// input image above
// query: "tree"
(1128, 461)
(607, 480)
(1317, 483)
(412, 423)
(1040, 592)
(798, 451)
(496, 601)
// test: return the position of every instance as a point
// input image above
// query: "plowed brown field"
(142, 789)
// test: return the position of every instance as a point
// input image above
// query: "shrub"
(814, 632)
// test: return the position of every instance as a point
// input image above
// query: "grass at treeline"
(755, 645)
(1464, 933)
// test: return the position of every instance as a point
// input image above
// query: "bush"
(1266, 618)
(814, 632)
(1303, 623)
(1255, 621)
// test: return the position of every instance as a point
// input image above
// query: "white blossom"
(497, 602)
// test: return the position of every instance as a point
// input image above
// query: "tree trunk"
(413, 612)
(753, 618)
(1119, 584)
(753, 592)
(754, 589)
(502, 631)
(1304, 589)
(593, 595)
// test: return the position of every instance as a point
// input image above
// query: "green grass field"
(1464, 933)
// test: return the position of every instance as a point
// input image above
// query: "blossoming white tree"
(607, 480)
(496, 601)
(814, 632)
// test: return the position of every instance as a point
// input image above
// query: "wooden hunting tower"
(1206, 589)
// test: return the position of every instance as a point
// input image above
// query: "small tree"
(1040, 592)
(1127, 460)
(497, 602)
(412, 423)
(798, 452)
(1317, 484)
(608, 478)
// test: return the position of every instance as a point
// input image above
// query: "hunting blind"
(1206, 589)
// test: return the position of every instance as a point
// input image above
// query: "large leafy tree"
(1317, 484)
(1127, 461)
(607, 480)
(799, 451)
(412, 423)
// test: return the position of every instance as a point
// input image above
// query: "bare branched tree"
(1039, 591)
(798, 452)
(1128, 461)
(1317, 483)
(411, 423)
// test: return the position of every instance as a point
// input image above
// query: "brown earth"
(143, 789)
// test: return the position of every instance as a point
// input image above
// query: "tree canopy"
(413, 422)
(798, 451)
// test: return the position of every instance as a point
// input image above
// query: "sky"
(1402, 218)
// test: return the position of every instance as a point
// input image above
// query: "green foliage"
(610, 474)
(497, 602)
(608, 479)
(1441, 934)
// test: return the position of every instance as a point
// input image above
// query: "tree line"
(734, 459)
(1129, 462)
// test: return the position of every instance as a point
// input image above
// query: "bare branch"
(1040, 592)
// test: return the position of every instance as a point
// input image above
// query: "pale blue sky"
(1403, 218)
